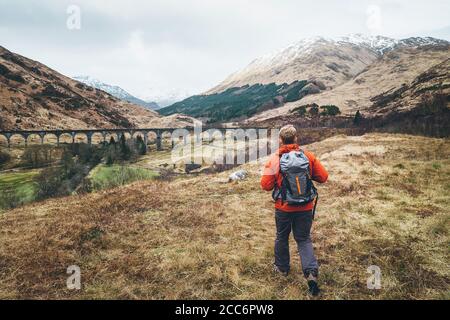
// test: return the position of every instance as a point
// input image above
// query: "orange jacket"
(271, 175)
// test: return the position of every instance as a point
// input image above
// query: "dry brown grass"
(387, 203)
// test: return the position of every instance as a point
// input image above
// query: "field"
(106, 177)
(387, 203)
(17, 186)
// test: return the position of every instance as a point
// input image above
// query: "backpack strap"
(315, 205)
(284, 188)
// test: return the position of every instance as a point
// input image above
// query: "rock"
(188, 168)
(238, 175)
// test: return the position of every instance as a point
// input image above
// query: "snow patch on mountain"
(380, 44)
(115, 91)
(304, 47)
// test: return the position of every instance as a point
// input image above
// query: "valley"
(144, 223)
(143, 240)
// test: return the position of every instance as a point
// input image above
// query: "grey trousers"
(300, 223)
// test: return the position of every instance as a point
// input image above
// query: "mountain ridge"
(116, 91)
(272, 67)
(346, 72)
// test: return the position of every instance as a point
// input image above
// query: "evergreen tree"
(67, 163)
(125, 150)
(358, 118)
(140, 145)
(314, 110)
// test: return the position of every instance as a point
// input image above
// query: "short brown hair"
(288, 134)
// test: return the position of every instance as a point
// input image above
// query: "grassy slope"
(105, 177)
(386, 203)
(20, 185)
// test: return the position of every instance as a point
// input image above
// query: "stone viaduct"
(104, 133)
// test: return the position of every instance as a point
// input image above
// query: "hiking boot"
(277, 270)
(313, 288)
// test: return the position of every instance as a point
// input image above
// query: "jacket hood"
(288, 148)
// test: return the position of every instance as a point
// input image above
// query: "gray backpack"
(297, 188)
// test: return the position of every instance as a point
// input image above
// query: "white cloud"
(137, 46)
(374, 19)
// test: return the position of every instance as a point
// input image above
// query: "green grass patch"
(106, 177)
(436, 166)
(17, 188)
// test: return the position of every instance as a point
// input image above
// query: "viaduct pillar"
(158, 140)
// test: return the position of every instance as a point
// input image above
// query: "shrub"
(9, 200)
(301, 111)
(314, 110)
(38, 156)
(63, 180)
(50, 182)
(330, 110)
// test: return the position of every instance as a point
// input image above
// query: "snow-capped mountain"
(116, 91)
(379, 44)
(330, 60)
(422, 41)
(383, 45)
(165, 97)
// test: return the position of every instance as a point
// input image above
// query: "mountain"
(391, 71)
(165, 97)
(33, 96)
(116, 91)
(346, 72)
(316, 58)
(332, 61)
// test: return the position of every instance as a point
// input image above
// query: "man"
(297, 217)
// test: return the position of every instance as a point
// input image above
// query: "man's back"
(272, 177)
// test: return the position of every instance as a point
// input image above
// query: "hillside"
(116, 91)
(33, 96)
(435, 80)
(184, 238)
(396, 69)
(331, 61)
(238, 103)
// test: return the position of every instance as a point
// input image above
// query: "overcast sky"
(160, 46)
